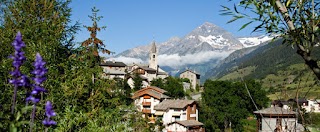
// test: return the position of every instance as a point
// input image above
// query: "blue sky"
(131, 23)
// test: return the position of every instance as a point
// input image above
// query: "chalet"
(147, 98)
(185, 126)
(277, 119)
(179, 114)
(192, 76)
(113, 69)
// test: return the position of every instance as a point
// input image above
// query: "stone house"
(192, 76)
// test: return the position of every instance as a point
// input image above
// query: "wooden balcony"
(146, 111)
(146, 103)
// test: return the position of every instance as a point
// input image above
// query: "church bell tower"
(153, 56)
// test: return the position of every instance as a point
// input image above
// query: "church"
(147, 72)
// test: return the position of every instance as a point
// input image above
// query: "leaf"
(235, 18)
(235, 8)
(225, 8)
(245, 25)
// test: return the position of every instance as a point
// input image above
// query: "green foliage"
(224, 102)
(197, 88)
(137, 82)
(174, 87)
(82, 99)
(159, 82)
(125, 118)
(185, 80)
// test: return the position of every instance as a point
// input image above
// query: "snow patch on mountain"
(214, 40)
(254, 41)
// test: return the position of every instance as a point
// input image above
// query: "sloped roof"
(147, 68)
(190, 71)
(162, 73)
(174, 104)
(189, 123)
(275, 111)
(152, 91)
(113, 63)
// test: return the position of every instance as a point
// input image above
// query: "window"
(154, 56)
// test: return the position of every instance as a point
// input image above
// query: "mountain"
(265, 59)
(200, 50)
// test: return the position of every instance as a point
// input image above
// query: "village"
(159, 66)
(181, 115)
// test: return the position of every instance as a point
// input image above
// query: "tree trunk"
(311, 63)
(304, 53)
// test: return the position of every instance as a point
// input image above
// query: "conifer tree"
(93, 44)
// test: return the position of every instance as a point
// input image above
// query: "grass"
(249, 125)
(236, 75)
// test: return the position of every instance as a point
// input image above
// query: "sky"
(131, 23)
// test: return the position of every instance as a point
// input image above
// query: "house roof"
(275, 111)
(300, 100)
(162, 73)
(189, 123)
(147, 68)
(174, 104)
(152, 91)
(113, 63)
(190, 71)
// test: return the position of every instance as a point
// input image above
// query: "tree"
(296, 21)
(158, 82)
(137, 82)
(224, 102)
(174, 87)
(94, 44)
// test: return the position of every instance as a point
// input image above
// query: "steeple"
(153, 47)
(153, 63)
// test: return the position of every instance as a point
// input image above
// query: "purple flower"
(18, 58)
(49, 113)
(39, 72)
(18, 79)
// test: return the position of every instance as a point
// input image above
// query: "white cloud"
(128, 60)
(175, 60)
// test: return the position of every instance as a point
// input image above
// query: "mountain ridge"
(199, 50)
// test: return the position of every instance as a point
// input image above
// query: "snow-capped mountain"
(254, 41)
(199, 50)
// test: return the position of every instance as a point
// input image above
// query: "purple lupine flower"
(18, 58)
(39, 72)
(49, 113)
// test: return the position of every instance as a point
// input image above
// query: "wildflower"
(49, 113)
(18, 58)
(39, 72)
